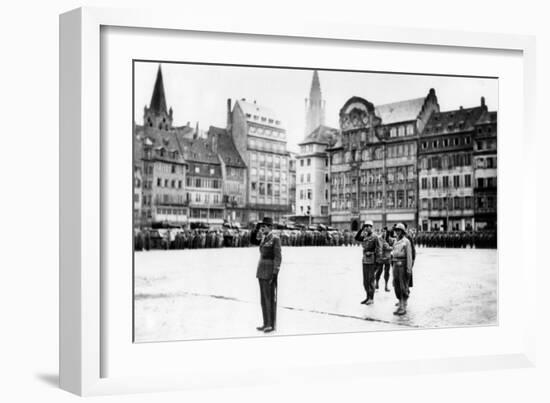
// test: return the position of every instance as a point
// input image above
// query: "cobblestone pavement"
(213, 293)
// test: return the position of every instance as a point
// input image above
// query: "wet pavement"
(213, 293)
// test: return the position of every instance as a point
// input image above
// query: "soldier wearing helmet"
(372, 254)
(402, 268)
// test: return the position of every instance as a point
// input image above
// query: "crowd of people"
(321, 235)
(482, 239)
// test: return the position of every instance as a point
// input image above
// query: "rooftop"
(401, 111)
(258, 113)
(321, 135)
(226, 148)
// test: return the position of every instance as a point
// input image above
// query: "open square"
(213, 293)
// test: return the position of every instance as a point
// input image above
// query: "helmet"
(369, 222)
(401, 227)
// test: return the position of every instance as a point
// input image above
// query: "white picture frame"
(83, 342)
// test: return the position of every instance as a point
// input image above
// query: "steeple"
(315, 91)
(158, 100)
(315, 105)
(157, 115)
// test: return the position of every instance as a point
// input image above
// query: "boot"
(402, 310)
(386, 287)
(398, 310)
(376, 287)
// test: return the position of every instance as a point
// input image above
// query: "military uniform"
(266, 273)
(402, 259)
(372, 253)
(385, 262)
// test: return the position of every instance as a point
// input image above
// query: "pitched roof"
(253, 109)
(156, 139)
(197, 150)
(460, 120)
(227, 150)
(321, 135)
(158, 99)
(402, 111)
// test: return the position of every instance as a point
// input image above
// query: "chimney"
(196, 136)
(214, 140)
(229, 117)
(482, 101)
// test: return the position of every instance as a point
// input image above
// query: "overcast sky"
(199, 92)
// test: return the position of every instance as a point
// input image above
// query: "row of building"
(400, 162)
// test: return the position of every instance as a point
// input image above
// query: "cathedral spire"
(315, 105)
(158, 100)
(315, 91)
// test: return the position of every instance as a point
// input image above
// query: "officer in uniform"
(372, 253)
(268, 269)
(402, 260)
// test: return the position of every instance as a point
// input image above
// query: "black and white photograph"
(277, 201)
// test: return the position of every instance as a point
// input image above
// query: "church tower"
(157, 115)
(315, 106)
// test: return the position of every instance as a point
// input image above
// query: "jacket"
(372, 247)
(270, 257)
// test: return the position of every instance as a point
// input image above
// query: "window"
(198, 183)
(302, 178)
(308, 161)
(173, 168)
(269, 189)
(262, 188)
(434, 182)
(456, 181)
(253, 186)
(400, 198)
(390, 201)
(173, 183)
(468, 202)
(197, 170)
(424, 183)
(159, 182)
(309, 194)
(308, 178)
(467, 181)
(480, 182)
(445, 182)
(166, 183)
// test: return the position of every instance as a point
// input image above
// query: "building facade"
(485, 172)
(203, 185)
(312, 175)
(373, 167)
(261, 140)
(234, 175)
(446, 175)
(292, 159)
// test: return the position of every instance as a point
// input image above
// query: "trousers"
(369, 279)
(268, 299)
(400, 280)
(383, 267)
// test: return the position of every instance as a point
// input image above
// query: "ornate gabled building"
(261, 140)
(373, 167)
(446, 171)
(312, 175)
(485, 171)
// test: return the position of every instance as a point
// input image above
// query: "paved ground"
(213, 293)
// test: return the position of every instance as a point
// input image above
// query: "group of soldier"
(458, 239)
(392, 249)
(235, 238)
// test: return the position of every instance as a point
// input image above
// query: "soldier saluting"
(372, 253)
(268, 269)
